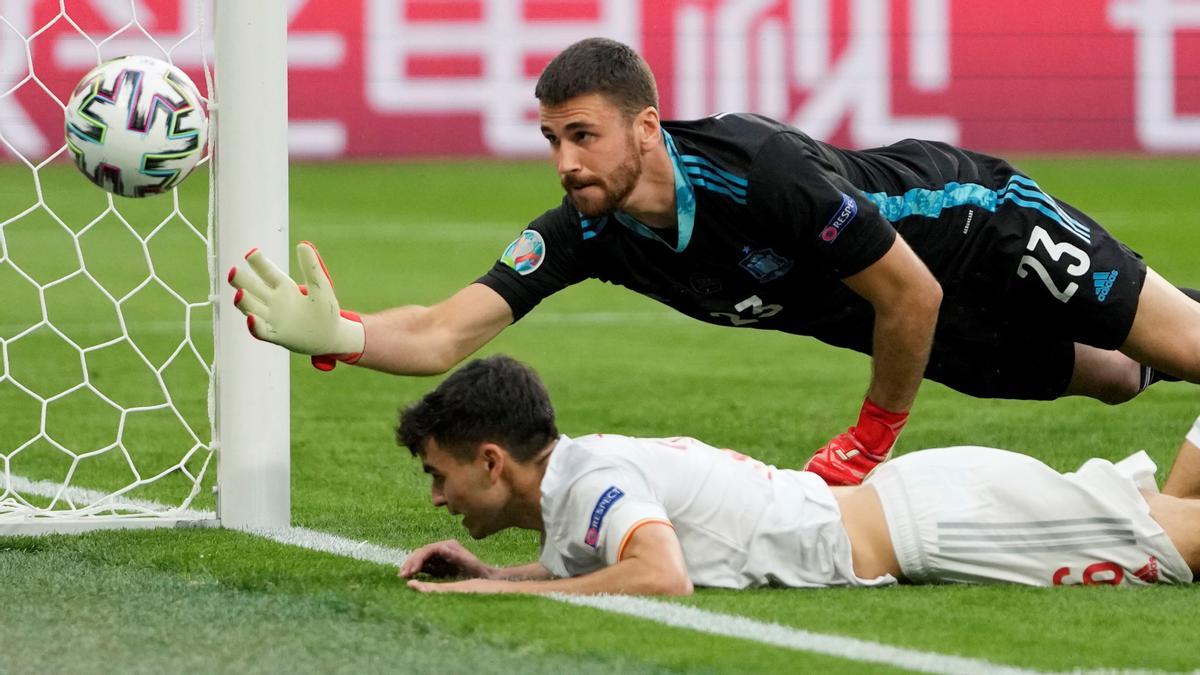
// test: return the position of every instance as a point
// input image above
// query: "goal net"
(113, 386)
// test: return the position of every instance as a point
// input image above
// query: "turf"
(614, 361)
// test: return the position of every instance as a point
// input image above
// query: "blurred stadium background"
(1022, 75)
(415, 156)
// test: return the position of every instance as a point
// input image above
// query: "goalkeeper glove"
(849, 457)
(304, 318)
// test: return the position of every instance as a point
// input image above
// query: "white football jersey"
(1193, 436)
(740, 522)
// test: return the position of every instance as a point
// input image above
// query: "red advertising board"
(381, 78)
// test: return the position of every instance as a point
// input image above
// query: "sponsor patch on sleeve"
(610, 497)
(843, 217)
(526, 253)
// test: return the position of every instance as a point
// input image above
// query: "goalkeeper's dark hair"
(497, 399)
(599, 66)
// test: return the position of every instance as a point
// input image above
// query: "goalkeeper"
(660, 516)
(936, 261)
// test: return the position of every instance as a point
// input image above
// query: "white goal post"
(247, 430)
(251, 208)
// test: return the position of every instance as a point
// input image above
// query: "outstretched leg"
(1105, 375)
(1166, 330)
(1166, 337)
(1150, 375)
(1112, 376)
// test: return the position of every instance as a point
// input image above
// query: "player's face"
(466, 489)
(595, 152)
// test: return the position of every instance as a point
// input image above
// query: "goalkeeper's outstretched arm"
(415, 340)
(306, 318)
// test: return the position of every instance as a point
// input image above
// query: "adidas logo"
(1104, 282)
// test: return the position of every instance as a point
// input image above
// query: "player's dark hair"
(599, 66)
(497, 399)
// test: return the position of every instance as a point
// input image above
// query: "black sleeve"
(542, 260)
(791, 185)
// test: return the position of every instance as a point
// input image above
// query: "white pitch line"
(331, 543)
(84, 497)
(292, 536)
(659, 611)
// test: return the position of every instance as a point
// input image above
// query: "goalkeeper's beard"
(615, 189)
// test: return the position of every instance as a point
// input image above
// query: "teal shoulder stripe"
(697, 160)
(713, 177)
(720, 189)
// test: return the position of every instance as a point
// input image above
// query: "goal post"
(129, 385)
(251, 210)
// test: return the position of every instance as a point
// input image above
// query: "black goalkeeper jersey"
(769, 222)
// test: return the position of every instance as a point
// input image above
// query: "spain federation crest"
(766, 265)
(526, 253)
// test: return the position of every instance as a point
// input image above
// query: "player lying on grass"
(659, 516)
(939, 262)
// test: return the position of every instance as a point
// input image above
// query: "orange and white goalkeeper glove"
(849, 457)
(304, 318)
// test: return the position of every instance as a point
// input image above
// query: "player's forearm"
(417, 340)
(906, 298)
(529, 572)
(402, 341)
(628, 577)
(902, 340)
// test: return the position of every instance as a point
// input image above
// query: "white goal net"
(109, 394)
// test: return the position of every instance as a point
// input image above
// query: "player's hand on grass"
(304, 318)
(444, 559)
(850, 456)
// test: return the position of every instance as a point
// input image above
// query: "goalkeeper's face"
(596, 152)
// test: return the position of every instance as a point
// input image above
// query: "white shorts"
(981, 515)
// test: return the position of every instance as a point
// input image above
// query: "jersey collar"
(685, 205)
(552, 478)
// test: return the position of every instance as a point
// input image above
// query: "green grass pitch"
(211, 600)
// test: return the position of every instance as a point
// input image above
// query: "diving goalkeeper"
(939, 262)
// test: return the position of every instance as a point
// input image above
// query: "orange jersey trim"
(629, 534)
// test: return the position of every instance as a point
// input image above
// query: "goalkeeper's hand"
(304, 318)
(850, 456)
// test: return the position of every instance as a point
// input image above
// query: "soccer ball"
(135, 126)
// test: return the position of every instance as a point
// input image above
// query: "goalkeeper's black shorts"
(1042, 277)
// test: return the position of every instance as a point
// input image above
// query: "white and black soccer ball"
(136, 126)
